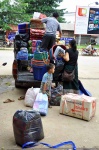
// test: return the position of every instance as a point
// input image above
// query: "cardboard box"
(79, 106)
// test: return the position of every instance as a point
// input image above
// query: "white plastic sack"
(58, 50)
(38, 15)
(31, 96)
(41, 104)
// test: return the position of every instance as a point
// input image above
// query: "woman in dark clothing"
(70, 59)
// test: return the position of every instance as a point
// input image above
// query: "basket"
(37, 62)
(40, 55)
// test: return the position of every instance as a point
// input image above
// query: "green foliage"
(12, 13)
(22, 11)
(45, 6)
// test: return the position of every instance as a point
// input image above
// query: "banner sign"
(87, 20)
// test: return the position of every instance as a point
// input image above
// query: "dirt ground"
(57, 128)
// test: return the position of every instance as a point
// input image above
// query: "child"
(46, 83)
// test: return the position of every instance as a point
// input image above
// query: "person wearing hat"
(52, 26)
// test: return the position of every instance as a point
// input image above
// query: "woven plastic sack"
(27, 126)
(31, 96)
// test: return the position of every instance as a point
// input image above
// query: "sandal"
(8, 101)
(21, 97)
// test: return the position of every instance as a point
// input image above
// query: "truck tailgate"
(27, 78)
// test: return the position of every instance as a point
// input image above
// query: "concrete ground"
(57, 128)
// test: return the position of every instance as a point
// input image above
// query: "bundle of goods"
(39, 66)
(23, 28)
(58, 61)
(41, 55)
(36, 24)
(79, 106)
(21, 40)
(36, 34)
(41, 104)
(27, 126)
(36, 44)
(31, 96)
(22, 59)
(36, 29)
(55, 51)
(22, 54)
(56, 95)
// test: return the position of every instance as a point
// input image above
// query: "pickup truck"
(24, 78)
(2, 38)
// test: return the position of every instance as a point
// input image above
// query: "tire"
(17, 84)
(96, 54)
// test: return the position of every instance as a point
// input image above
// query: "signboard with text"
(87, 20)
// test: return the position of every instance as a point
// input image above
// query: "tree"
(12, 13)
(22, 10)
(45, 6)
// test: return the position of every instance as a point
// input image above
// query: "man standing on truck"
(52, 26)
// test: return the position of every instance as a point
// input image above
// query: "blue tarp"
(82, 90)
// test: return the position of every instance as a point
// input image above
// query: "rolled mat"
(83, 90)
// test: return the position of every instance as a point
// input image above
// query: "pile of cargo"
(27, 48)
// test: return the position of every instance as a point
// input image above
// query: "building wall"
(68, 33)
(85, 39)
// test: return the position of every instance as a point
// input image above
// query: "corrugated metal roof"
(67, 26)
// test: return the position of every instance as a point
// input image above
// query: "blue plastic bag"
(41, 104)
(22, 54)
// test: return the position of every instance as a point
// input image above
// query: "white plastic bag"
(58, 50)
(31, 96)
(41, 104)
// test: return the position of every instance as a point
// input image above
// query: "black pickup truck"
(2, 38)
(24, 78)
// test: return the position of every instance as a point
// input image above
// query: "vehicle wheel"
(95, 54)
(17, 84)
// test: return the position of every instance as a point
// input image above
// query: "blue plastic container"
(23, 27)
(38, 72)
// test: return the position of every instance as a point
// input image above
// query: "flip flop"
(21, 97)
(8, 101)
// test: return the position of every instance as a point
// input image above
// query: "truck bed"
(25, 78)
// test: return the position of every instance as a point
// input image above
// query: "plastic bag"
(58, 50)
(27, 126)
(23, 44)
(31, 96)
(59, 66)
(56, 95)
(25, 37)
(17, 44)
(22, 54)
(41, 104)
